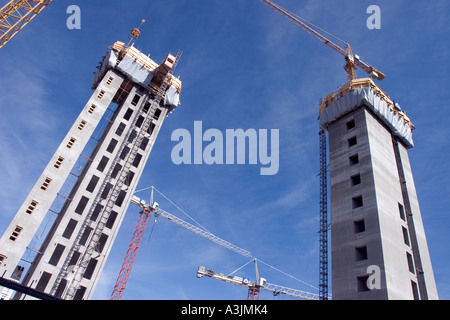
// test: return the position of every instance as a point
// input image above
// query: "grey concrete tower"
(378, 244)
(69, 263)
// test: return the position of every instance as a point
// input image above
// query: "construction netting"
(369, 98)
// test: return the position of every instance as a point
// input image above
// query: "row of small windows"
(112, 146)
(59, 249)
(45, 279)
(68, 232)
(359, 226)
(361, 255)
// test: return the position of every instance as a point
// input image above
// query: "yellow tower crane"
(16, 14)
(352, 61)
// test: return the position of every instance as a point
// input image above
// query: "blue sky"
(245, 67)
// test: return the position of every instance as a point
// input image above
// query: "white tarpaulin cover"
(368, 97)
(136, 72)
(172, 97)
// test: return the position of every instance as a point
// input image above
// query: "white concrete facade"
(33, 210)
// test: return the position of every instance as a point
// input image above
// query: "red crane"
(136, 240)
(130, 257)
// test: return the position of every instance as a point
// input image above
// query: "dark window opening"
(352, 142)
(137, 160)
(362, 283)
(106, 191)
(354, 160)
(146, 107)
(74, 260)
(43, 281)
(70, 229)
(112, 146)
(139, 121)
(132, 136)
(102, 243)
(351, 124)
(90, 269)
(80, 293)
(406, 236)
(129, 178)
(61, 288)
(71, 143)
(135, 100)
(357, 202)
(124, 153)
(359, 226)
(54, 259)
(128, 114)
(120, 129)
(97, 210)
(81, 205)
(144, 144)
(92, 184)
(32, 206)
(120, 198)
(409, 258)
(157, 114)
(151, 128)
(116, 171)
(102, 164)
(361, 253)
(415, 290)
(355, 180)
(402, 212)
(15, 234)
(111, 220)
(85, 235)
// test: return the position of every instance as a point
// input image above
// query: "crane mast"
(16, 14)
(351, 60)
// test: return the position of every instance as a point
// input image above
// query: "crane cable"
(307, 22)
(181, 210)
(301, 281)
(286, 274)
(276, 269)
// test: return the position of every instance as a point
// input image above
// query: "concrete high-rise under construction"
(68, 265)
(378, 244)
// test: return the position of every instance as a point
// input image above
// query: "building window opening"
(354, 160)
(355, 180)
(59, 162)
(351, 124)
(401, 210)
(46, 184)
(92, 109)
(15, 234)
(359, 226)
(31, 207)
(82, 125)
(352, 142)
(101, 94)
(357, 202)
(361, 253)
(71, 143)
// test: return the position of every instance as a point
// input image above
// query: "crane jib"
(201, 232)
